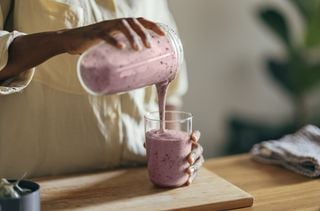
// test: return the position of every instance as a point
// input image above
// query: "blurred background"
(254, 69)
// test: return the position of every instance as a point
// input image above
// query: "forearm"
(31, 50)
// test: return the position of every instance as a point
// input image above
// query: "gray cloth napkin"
(299, 152)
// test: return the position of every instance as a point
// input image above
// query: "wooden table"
(273, 187)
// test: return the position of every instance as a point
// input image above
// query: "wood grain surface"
(130, 189)
(273, 187)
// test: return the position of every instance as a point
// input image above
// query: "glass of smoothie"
(168, 145)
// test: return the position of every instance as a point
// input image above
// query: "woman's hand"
(77, 40)
(42, 46)
(195, 158)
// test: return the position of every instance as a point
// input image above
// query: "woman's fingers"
(192, 177)
(194, 169)
(195, 136)
(78, 40)
(196, 152)
(134, 30)
(113, 41)
(197, 149)
(131, 35)
(195, 166)
(195, 158)
(140, 30)
(151, 25)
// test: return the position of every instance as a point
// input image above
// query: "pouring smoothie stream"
(104, 70)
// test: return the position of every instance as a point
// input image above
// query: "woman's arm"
(31, 50)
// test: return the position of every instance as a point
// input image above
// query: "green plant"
(298, 74)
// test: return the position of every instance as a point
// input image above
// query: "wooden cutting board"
(130, 189)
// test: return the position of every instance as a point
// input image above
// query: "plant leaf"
(296, 76)
(310, 10)
(277, 24)
(280, 71)
(309, 77)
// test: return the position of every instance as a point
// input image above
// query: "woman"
(48, 124)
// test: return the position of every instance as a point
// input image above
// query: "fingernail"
(191, 169)
(191, 178)
(195, 135)
(136, 47)
(189, 172)
(148, 44)
(162, 31)
(121, 45)
(148, 40)
(192, 157)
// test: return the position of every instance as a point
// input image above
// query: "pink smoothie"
(104, 69)
(167, 153)
(162, 89)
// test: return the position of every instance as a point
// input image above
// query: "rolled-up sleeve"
(17, 83)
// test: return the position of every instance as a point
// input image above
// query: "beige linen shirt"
(48, 124)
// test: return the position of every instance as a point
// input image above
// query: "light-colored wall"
(225, 47)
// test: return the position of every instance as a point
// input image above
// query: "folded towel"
(299, 152)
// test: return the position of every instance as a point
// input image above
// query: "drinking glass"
(168, 148)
